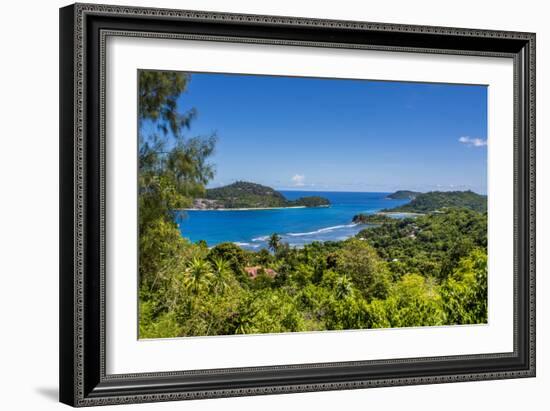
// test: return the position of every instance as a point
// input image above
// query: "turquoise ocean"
(297, 226)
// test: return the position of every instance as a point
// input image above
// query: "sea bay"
(250, 229)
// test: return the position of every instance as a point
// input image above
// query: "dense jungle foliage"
(427, 270)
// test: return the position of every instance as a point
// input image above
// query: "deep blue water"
(297, 226)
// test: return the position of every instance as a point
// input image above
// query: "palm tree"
(221, 270)
(343, 287)
(197, 275)
(274, 242)
(244, 321)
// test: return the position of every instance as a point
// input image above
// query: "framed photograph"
(260, 204)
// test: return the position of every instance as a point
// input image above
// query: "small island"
(247, 195)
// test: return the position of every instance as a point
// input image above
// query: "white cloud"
(472, 141)
(298, 180)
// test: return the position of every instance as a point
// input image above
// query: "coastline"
(298, 226)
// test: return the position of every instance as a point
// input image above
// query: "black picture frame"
(83, 29)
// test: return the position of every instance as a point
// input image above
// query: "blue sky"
(342, 135)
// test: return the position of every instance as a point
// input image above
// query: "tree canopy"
(173, 167)
(381, 278)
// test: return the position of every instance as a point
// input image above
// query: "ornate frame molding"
(82, 334)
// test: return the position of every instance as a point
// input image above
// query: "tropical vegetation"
(377, 218)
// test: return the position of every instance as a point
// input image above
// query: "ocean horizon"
(250, 229)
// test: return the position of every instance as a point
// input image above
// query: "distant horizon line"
(305, 189)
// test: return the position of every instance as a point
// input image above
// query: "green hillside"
(437, 200)
(403, 195)
(243, 194)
